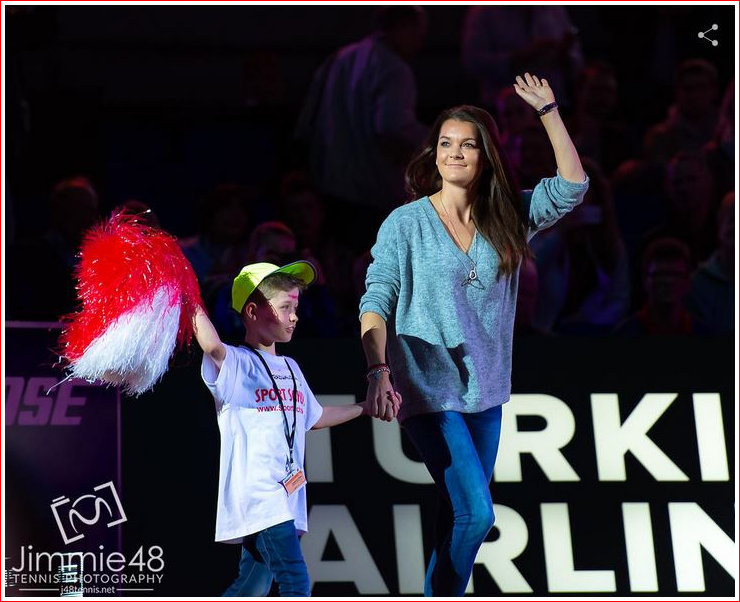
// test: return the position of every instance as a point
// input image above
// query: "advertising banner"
(615, 476)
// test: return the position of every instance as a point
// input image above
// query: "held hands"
(382, 400)
(534, 91)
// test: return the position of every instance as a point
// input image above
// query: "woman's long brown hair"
(498, 212)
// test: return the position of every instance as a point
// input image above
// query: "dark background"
(162, 102)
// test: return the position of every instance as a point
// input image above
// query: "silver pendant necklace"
(472, 276)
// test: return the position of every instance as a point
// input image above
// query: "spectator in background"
(691, 205)
(638, 185)
(670, 27)
(676, 201)
(584, 273)
(218, 249)
(513, 118)
(359, 123)
(42, 269)
(273, 242)
(535, 159)
(666, 270)
(711, 296)
(720, 151)
(302, 208)
(500, 41)
(349, 325)
(692, 119)
(526, 299)
(74, 209)
(597, 132)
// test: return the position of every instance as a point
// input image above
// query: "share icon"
(703, 34)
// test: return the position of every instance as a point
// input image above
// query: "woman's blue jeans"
(274, 553)
(459, 450)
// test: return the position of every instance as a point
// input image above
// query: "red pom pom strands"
(137, 294)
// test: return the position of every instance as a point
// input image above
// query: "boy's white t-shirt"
(253, 443)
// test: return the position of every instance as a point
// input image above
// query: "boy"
(264, 408)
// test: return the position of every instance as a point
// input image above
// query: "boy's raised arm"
(207, 337)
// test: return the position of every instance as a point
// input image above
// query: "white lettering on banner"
(614, 438)
(409, 548)
(558, 545)
(694, 535)
(710, 437)
(498, 556)
(390, 456)
(41, 401)
(691, 530)
(638, 539)
(544, 445)
(357, 567)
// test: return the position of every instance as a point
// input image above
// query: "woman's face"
(458, 153)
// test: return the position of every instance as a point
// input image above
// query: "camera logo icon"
(87, 509)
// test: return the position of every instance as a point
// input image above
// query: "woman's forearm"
(566, 155)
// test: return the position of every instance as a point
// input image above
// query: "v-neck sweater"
(449, 344)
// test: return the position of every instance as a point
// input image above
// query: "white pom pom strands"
(134, 350)
(137, 294)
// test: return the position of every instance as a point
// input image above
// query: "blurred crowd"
(650, 251)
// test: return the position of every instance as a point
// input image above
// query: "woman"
(441, 294)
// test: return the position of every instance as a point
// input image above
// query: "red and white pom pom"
(138, 293)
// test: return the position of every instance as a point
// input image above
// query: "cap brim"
(303, 270)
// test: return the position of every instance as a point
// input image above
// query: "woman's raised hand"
(536, 92)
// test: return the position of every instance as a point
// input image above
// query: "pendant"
(472, 277)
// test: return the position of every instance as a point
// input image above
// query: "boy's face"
(276, 319)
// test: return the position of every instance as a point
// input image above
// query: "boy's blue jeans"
(459, 451)
(274, 553)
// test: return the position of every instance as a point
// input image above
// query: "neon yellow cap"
(251, 275)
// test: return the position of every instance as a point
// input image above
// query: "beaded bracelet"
(375, 372)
